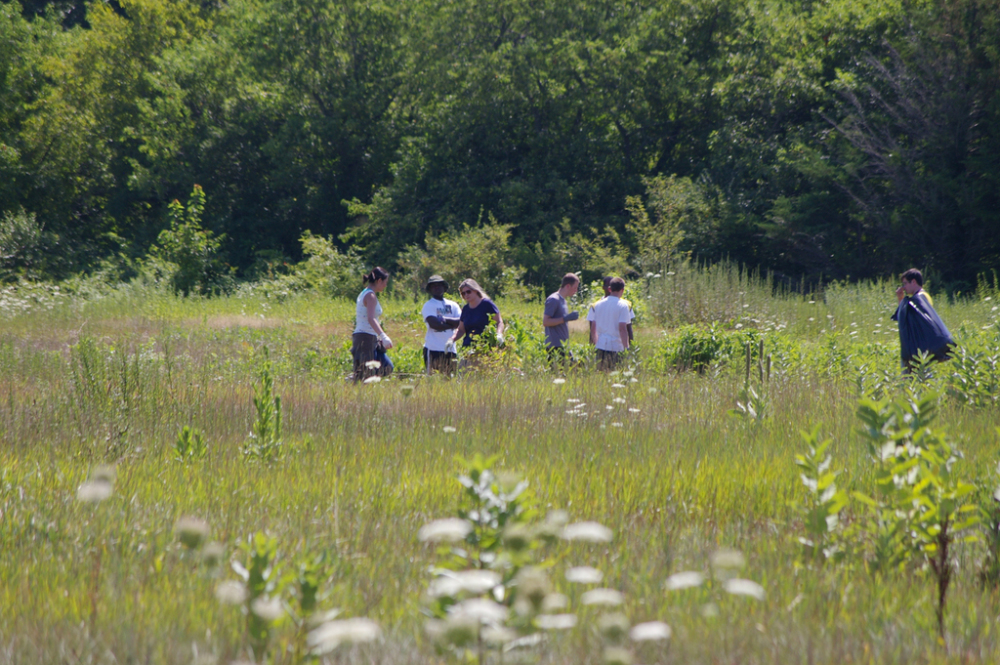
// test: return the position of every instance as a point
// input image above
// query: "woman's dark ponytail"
(375, 275)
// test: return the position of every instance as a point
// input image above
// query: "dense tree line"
(837, 138)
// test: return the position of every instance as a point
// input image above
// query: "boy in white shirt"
(441, 316)
(609, 320)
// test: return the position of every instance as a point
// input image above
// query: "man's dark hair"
(913, 275)
(568, 279)
(607, 281)
(617, 285)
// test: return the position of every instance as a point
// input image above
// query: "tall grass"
(363, 467)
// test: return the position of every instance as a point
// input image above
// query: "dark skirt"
(363, 348)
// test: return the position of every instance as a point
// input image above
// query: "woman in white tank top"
(368, 332)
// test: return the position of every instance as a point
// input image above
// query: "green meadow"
(690, 450)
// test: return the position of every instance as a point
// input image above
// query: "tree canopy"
(844, 138)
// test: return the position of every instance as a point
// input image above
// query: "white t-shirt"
(607, 314)
(435, 341)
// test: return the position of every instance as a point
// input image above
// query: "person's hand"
(900, 293)
(450, 347)
(386, 342)
(572, 316)
(500, 340)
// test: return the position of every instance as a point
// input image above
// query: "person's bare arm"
(459, 332)
(370, 303)
(499, 320)
(593, 332)
(630, 337)
(441, 323)
(623, 332)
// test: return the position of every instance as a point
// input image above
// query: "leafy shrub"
(592, 254)
(678, 206)
(482, 253)
(699, 347)
(23, 245)
(188, 252)
(923, 506)
(189, 445)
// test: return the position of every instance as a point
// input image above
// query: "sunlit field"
(688, 456)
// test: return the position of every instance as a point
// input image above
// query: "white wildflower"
(587, 531)
(94, 491)
(739, 587)
(684, 580)
(332, 634)
(231, 592)
(556, 621)
(448, 530)
(584, 575)
(191, 531)
(268, 609)
(480, 609)
(726, 558)
(602, 597)
(651, 630)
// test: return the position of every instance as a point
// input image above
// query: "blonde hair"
(474, 285)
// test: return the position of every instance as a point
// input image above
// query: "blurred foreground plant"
(821, 513)
(492, 588)
(923, 504)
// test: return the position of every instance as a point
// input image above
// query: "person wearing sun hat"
(441, 316)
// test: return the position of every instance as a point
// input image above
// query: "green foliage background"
(817, 139)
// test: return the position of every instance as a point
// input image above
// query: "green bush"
(482, 253)
(188, 252)
(699, 347)
(23, 244)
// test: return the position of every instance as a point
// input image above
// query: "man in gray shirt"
(557, 315)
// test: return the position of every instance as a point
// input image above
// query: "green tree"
(190, 250)
(79, 141)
